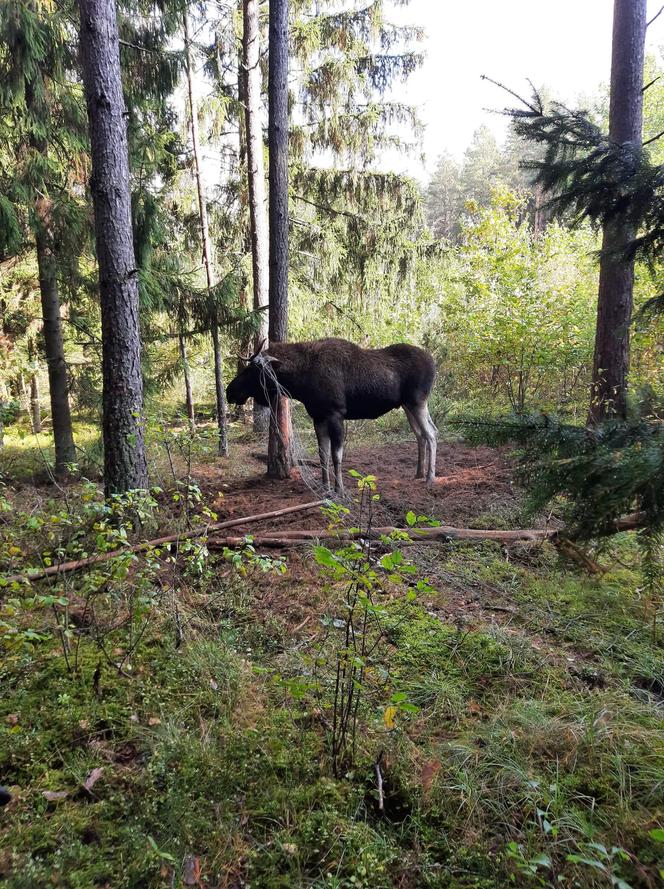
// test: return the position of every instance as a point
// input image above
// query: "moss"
(535, 733)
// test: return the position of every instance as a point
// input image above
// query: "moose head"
(255, 380)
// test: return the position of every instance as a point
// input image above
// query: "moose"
(337, 380)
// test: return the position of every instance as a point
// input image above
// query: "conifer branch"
(656, 16)
(502, 86)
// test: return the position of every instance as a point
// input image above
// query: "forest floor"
(170, 722)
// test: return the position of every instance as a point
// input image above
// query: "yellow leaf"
(388, 717)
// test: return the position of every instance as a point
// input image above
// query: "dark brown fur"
(336, 380)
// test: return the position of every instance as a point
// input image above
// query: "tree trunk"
(65, 451)
(220, 397)
(125, 465)
(616, 278)
(260, 244)
(35, 401)
(239, 413)
(280, 461)
(189, 396)
(219, 391)
(63, 436)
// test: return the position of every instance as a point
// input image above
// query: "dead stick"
(379, 783)
(65, 567)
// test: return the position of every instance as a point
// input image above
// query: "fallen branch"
(302, 536)
(576, 554)
(298, 537)
(65, 567)
(423, 535)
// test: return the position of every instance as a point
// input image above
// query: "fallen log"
(299, 537)
(423, 535)
(65, 567)
(440, 533)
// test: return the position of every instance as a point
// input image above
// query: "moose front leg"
(335, 426)
(323, 436)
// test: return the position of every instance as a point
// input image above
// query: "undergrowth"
(159, 728)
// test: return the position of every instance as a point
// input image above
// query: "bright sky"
(564, 45)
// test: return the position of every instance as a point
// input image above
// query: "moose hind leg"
(421, 441)
(336, 430)
(421, 414)
(324, 448)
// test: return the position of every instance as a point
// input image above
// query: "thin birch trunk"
(189, 395)
(35, 401)
(220, 396)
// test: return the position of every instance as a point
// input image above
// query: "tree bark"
(125, 464)
(220, 396)
(280, 461)
(35, 401)
(63, 437)
(239, 413)
(189, 395)
(219, 391)
(258, 225)
(608, 396)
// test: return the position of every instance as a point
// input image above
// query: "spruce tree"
(41, 126)
(610, 179)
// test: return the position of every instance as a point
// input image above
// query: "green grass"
(527, 740)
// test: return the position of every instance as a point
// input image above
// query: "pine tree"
(611, 180)
(280, 461)
(256, 181)
(125, 465)
(616, 276)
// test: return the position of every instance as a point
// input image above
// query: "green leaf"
(324, 556)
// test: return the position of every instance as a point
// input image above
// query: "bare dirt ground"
(474, 486)
(470, 482)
